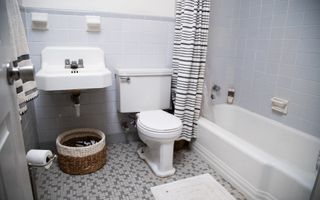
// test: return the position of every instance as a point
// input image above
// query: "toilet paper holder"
(31, 175)
(51, 159)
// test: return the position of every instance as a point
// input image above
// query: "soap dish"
(279, 105)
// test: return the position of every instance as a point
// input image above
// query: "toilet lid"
(159, 121)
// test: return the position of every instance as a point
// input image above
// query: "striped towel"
(25, 93)
(27, 90)
(21, 97)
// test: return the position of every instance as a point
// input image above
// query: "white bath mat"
(202, 187)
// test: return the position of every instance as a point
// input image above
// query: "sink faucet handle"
(67, 61)
(80, 62)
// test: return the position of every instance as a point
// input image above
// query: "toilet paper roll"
(39, 157)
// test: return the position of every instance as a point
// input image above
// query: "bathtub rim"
(268, 120)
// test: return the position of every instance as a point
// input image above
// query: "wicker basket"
(81, 160)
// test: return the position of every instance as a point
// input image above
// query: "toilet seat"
(159, 135)
(159, 124)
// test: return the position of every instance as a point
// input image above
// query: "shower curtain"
(26, 91)
(189, 60)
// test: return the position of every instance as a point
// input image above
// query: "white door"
(14, 177)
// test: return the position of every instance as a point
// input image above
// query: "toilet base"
(153, 166)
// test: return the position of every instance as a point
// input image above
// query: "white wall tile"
(296, 6)
(278, 20)
(126, 42)
(76, 22)
(295, 19)
(255, 10)
(266, 9)
(311, 18)
(286, 71)
(287, 57)
(312, 5)
(307, 73)
(311, 32)
(293, 33)
(284, 82)
(283, 60)
(306, 87)
(309, 45)
(114, 24)
(280, 7)
(113, 36)
(57, 21)
(35, 48)
(36, 62)
(132, 48)
(77, 36)
(277, 33)
(308, 59)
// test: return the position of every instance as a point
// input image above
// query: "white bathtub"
(263, 158)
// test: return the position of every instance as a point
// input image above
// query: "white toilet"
(147, 91)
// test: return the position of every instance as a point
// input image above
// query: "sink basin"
(54, 75)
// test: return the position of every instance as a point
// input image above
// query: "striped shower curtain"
(189, 60)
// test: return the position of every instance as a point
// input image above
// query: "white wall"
(162, 8)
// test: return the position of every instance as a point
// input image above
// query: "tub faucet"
(216, 88)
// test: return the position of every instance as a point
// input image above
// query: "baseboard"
(230, 175)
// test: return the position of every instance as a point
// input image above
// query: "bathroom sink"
(72, 68)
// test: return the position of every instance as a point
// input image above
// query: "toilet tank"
(142, 89)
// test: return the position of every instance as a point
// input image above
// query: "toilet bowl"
(158, 130)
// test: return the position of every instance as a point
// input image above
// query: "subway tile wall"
(29, 128)
(28, 120)
(266, 48)
(128, 42)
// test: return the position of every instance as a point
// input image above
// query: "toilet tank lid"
(143, 71)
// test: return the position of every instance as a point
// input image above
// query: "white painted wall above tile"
(163, 8)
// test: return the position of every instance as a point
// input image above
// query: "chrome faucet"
(215, 88)
(66, 63)
(80, 63)
(74, 64)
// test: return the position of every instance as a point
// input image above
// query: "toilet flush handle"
(125, 78)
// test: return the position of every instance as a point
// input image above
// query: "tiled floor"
(125, 176)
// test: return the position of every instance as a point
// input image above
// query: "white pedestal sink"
(54, 75)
